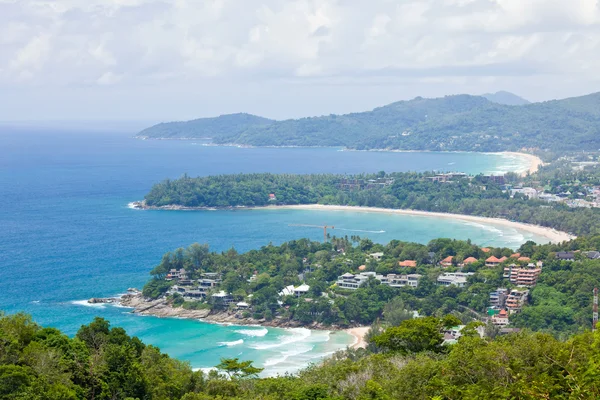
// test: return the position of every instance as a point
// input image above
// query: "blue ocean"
(67, 233)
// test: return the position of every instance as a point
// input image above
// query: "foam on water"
(85, 303)
(297, 335)
(231, 344)
(253, 332)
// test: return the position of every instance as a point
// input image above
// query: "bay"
(67, 234)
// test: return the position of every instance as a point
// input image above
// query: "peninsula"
(508, 199)
(451, 123)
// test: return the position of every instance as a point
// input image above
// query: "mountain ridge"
(451, 123)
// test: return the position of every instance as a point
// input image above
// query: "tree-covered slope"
(507, 98)
(460, 122)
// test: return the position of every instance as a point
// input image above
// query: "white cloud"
(126, 43)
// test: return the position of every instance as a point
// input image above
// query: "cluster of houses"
(354, 281)
(587, 197)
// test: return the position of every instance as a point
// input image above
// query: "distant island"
(452, 123)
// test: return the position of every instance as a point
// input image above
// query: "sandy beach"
(359, 336)
(534, 162)
(552, 235)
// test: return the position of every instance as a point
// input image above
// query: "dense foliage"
(409, 191)
(560, 304)
(104, 363)
(459, 122)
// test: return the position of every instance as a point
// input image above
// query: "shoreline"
(534, 161)
(359, 333)
(553, 235)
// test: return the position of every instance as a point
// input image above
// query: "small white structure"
(291, 290)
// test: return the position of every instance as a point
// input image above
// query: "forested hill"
(460, 122)
(478, 196)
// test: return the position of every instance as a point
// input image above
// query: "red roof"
(502, 313)
(524, 259)
(407, 263)
(502, 259)
(485, 249)
(516, 255)
(448, 259)
(492, 259)
(362, 267)
(470, 260)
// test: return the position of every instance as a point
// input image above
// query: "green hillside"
(461, 122)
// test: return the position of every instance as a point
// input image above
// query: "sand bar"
(552, 235)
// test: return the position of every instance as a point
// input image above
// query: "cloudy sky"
(180, 59)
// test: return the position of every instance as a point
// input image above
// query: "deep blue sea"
(67, 234)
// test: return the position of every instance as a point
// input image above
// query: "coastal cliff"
(163, 308)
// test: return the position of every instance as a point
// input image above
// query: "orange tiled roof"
(408, 263)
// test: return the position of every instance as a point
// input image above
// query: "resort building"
(498, 298)
(516, 300)
(492, 262)
(454, 278)
(353, 282)
(469, 260)
(376, 256)
(447, 262)
(221, 298)
(176, 274)
(500, 319)
(291, 290)
(522, 276)
(396, 281)
(408, 263)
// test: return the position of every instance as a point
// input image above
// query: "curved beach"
(534, 162)
(552, 235)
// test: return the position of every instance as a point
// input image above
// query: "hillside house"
(454, 278)
(447, 262)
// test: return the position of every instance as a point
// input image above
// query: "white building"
(291, 290)
(395, 281)
(353, 282)
(454, 278)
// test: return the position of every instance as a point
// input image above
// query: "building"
(498, 298)
(492, 262)
(447, 262)
(566, 255)
(178, 275)
(469, 260)
(221, 299)
(523, 276)
(272, 197)
(454, 278)
(396, 281)
(500, 319)
(592, 255)
(353, 282)
(408, 263)
(444, 178)
(516, 300)
(376, 256)
(291, 290)
(528, 192)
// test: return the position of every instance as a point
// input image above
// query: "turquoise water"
(67, 234)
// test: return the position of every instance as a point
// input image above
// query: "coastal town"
(221, 294)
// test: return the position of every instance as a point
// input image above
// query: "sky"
(155, 60)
